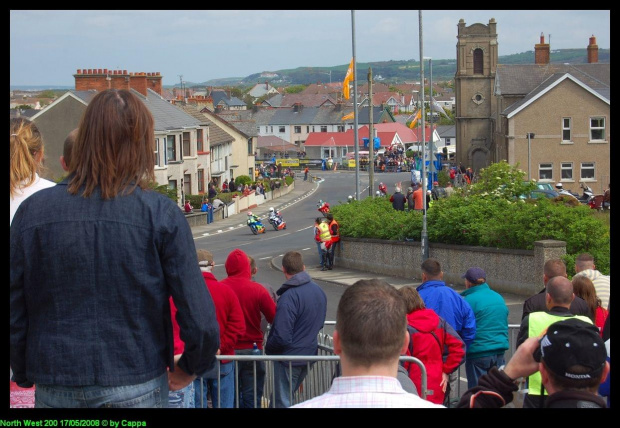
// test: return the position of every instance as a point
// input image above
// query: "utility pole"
(371, 143)
(355, 112)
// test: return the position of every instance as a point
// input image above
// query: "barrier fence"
(322, 369)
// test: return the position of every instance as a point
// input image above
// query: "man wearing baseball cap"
(571, 358)
(491, 341)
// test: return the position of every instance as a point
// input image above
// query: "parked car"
(539, 194)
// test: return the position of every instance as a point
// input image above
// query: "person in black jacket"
(398, 199)
(553, 267)
(571, 358)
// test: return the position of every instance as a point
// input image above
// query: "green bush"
(487, 220)
(243, 179)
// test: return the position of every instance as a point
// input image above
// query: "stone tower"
(476, 57)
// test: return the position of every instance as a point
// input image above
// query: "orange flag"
(347, 79)
(348, 116)
(415, 119)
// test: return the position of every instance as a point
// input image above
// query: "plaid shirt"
(366, 392)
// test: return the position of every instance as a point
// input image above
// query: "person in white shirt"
(26, 162)
(370, 335)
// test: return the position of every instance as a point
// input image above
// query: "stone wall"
(510, 271)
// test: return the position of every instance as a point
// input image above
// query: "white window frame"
(587, 166)
(545, 166)
(297, 129)
(566, 167)
(567, 124)
(598, 128)
(282, 129)
(156, 153)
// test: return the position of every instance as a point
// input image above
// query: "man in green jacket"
(487, 349)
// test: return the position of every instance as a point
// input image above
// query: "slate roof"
(274, 143)
(167, 116)
(222, 96)
(242, 120)
(446, 131)
(521, 79)
(307, 100)
(217, 135)
(274, 101)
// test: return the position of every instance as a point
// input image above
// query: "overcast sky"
(47, 47)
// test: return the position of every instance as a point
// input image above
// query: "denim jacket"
(90, 281)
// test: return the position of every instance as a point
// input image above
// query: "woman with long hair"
(94, 261)
(584, 288)
(26, 162)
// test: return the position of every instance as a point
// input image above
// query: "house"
(550, 119)
(261, 89)
(270, 145)
(222, 100)
(307, 100)
(239, 158)
(447, 140)
(391, 100)
(181, 141)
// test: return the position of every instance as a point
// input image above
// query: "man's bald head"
(584, 261)
(560, 291)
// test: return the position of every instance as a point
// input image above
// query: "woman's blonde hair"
(26, 153)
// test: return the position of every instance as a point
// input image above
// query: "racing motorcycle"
(255, 224)
(323, 207)
(275, 219)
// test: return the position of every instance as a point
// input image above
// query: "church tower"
(476, 57)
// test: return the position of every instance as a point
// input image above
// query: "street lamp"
(330, 75)
(530, 135)
(425, 252)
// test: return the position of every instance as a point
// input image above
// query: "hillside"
(390, 71)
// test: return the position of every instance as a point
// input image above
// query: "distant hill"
(390, 72)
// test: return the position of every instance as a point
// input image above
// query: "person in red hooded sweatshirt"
(232, 326)
(254, 300)
(430, 337)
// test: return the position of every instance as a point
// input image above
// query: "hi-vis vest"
(537, 323)
(325, 235)
(336, 237)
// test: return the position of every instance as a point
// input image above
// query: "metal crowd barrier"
(322, 369)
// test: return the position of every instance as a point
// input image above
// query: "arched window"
(478, 61)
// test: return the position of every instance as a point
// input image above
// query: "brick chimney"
(153, 81)
(592, 51)
(137, 81)
(541, 51)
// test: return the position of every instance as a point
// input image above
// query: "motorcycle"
(256, 226)
(323, 207)
(277, 222)
(587, 195)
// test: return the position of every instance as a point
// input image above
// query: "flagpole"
(355, 136)
(424, 178)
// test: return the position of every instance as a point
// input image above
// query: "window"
(201, 181)
(545, 171)
(172, 184)
(251, 172)
(566, 125)
(187, 184)
(156, 153)
(250, 148)
(171, 150)
(567, 170)
(271, 129)
(307, 129)
(186, 145)
(447, 141)
(340, 128)
(597, 128)
(199, 141)
(281, 130)
(587, 170)
(478, 61)
(323, 128)
(297, 129)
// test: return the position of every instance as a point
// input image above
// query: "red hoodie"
(253, 297)
(228, 312)
(427, 349)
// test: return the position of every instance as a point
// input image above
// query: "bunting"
(347, 80)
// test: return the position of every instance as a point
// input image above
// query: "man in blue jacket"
(300, 315)
(449, 305)
(487, 349)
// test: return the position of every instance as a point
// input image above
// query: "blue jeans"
(282, 381)
(476, 367)
(226, 393)
(247, 397)
(153, 393)
(318, 246)
(182, 398)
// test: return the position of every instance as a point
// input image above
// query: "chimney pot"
(592, 51)
(79, 71)
(100, 71)
(90, 71)
(105, 71)
(124, 71)
(83, 71)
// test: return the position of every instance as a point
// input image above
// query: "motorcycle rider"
(560, 189)
(383, 188)
(253, 218)
(323, 206)
(275, 216)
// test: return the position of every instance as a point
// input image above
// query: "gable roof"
(307, 100)
(546, 86)
(166, 116)
(446, 131)
(217, 135)
(521, 79)
(83, 97)
(276, 144)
